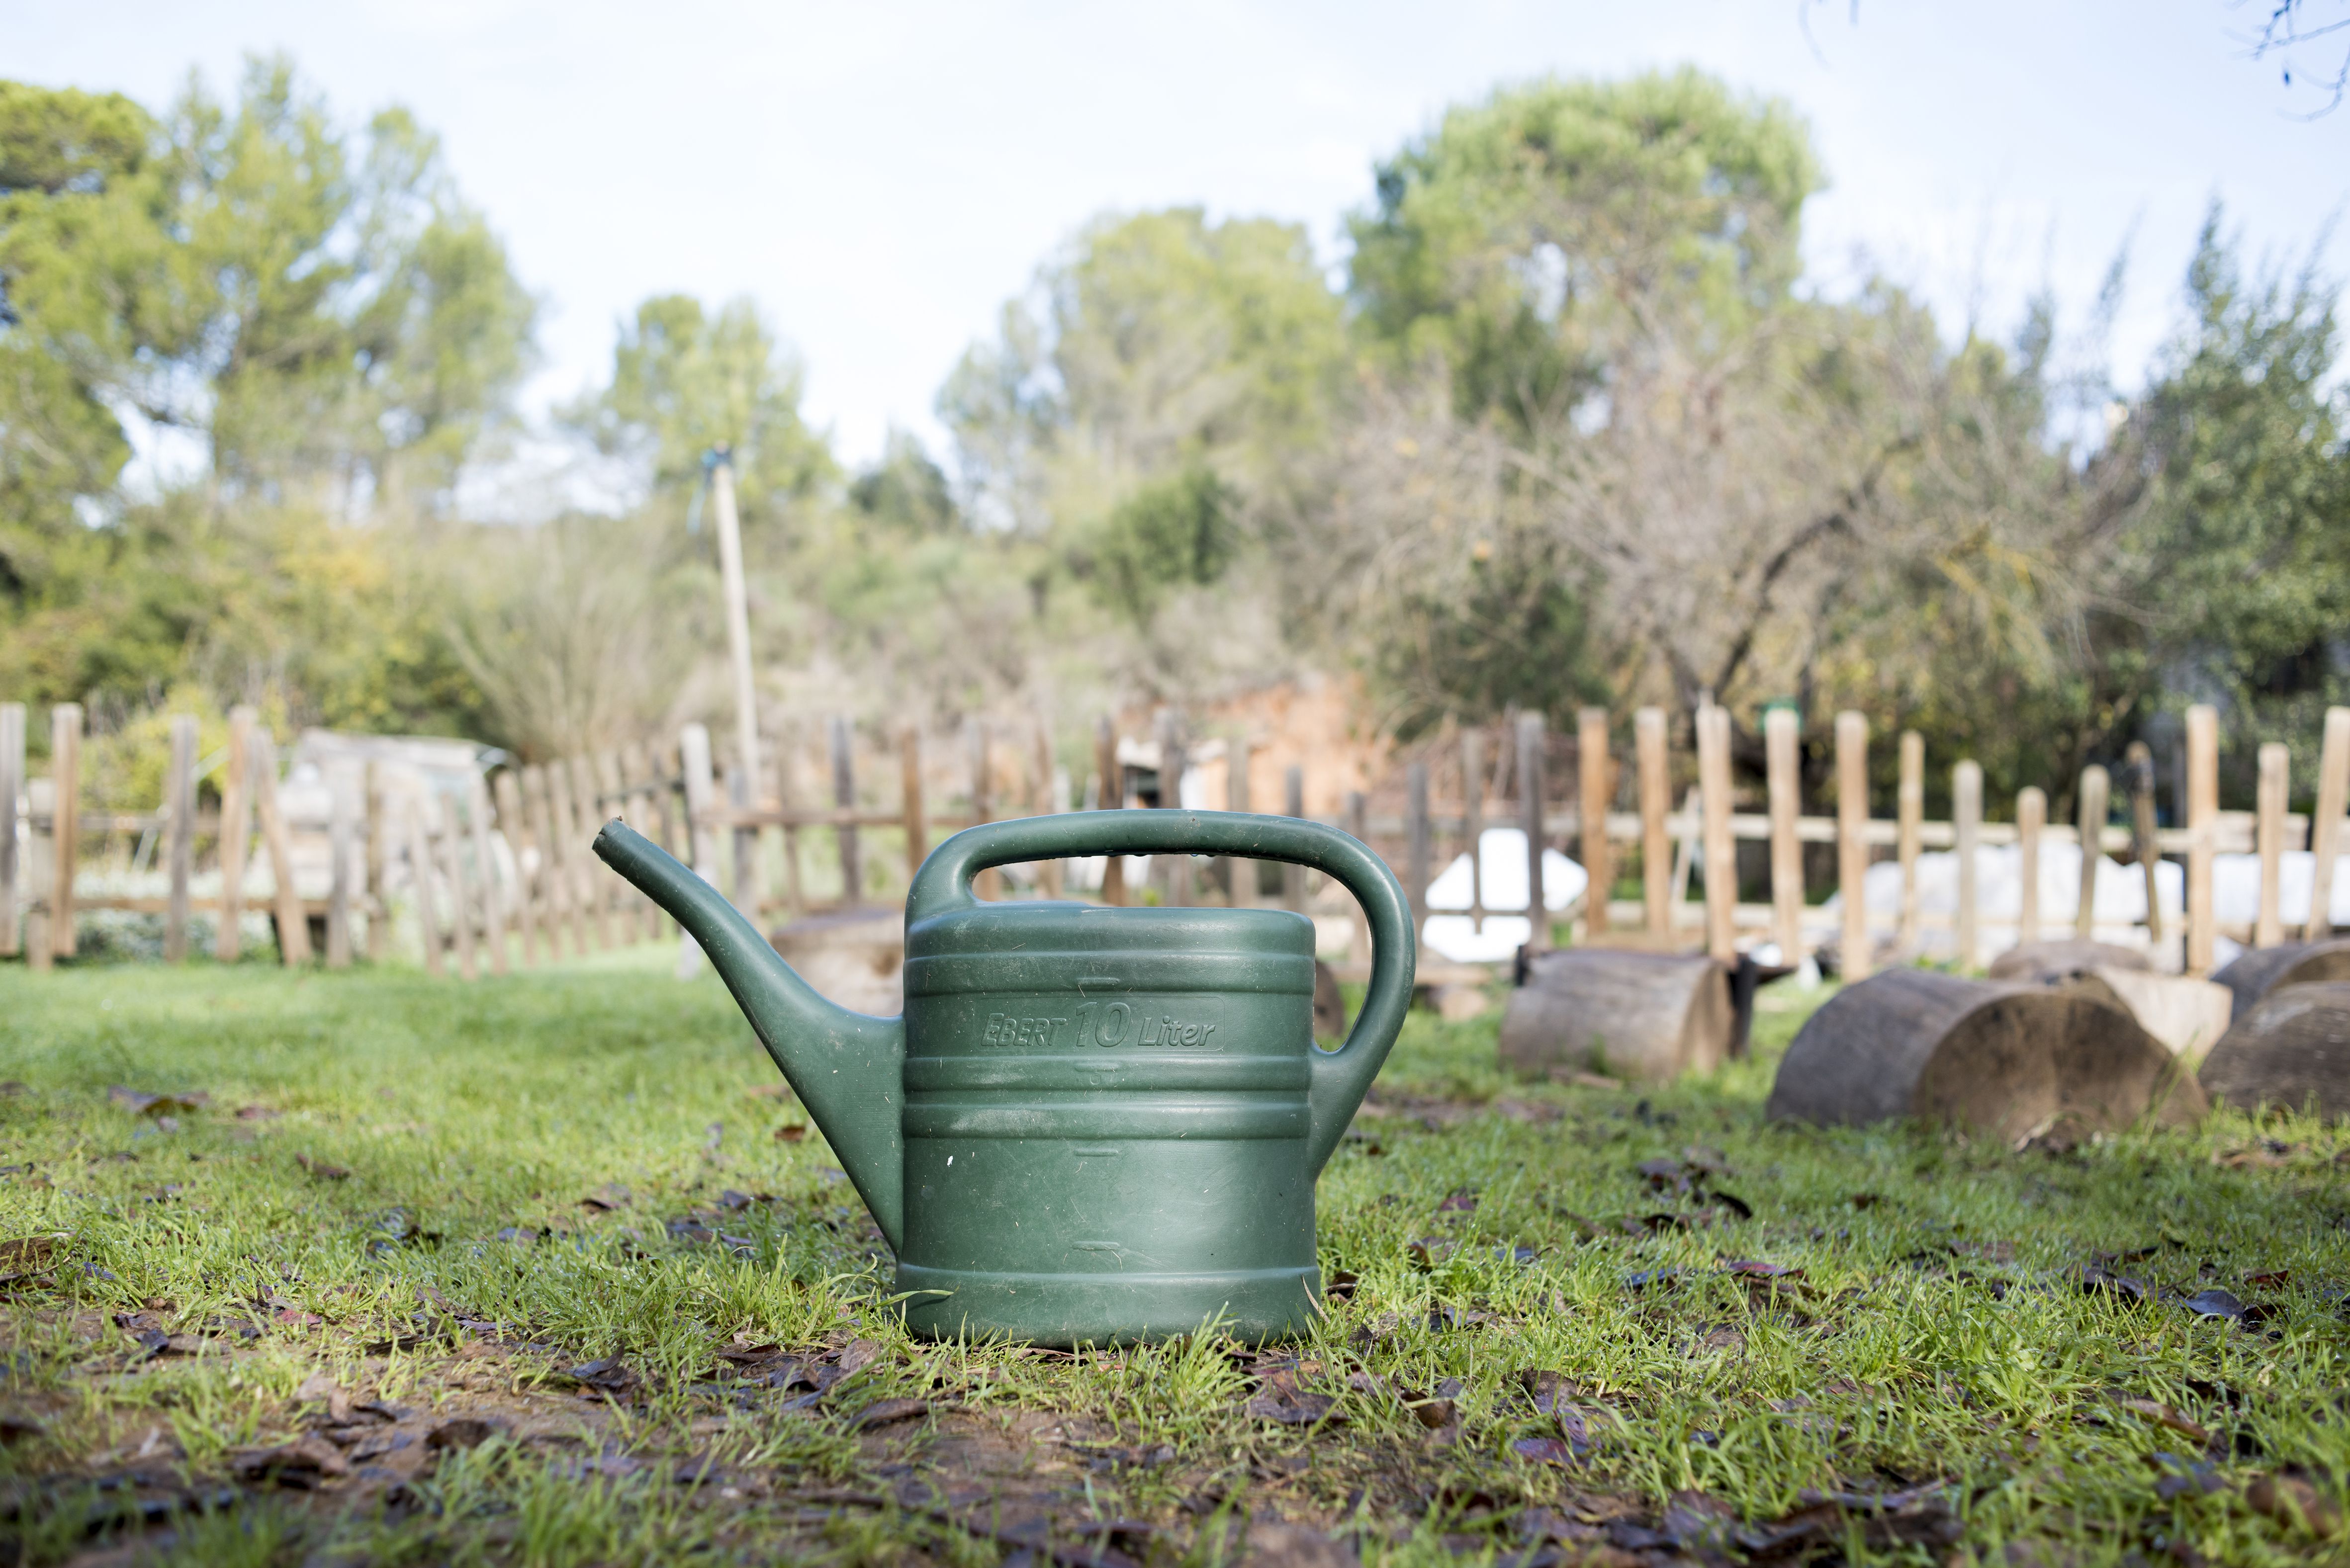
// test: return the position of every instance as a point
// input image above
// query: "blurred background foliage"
(1566, 426)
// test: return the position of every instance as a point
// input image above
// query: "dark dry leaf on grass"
(2291, 1501)
(142, 1104)
(321, 1169)
(303, 1463)
(790, 1132)
(883, 1412)
(1460, 1200)
(606, 1373)
(607, 1198)
(2162, 1415)
(465, 1432)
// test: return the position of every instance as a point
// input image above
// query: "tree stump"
(2256, 973)
(2055, 963)
(2186, 1015)
(1999, 1058)
(1649, 1016)
(856, 958)
(2291, 1049)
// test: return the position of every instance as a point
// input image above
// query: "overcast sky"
(880, 177)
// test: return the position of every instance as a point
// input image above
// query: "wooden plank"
(844, 795)
(419, 876)
(2095, 795)
(1531, 750)
(2275, 782)
(2202, 822)
(1293, 804)
(1113, 798)
(65, 833)
(461, 892)
(1966, 811)
(237, 819)
(1416, 851)
(2326, 825)
(1473, 818)
(179, 802)
(1719, 849)
(485, 868)
(1910, 815)
(910, 799)
(12, 790)
(1652, 760)
(1595, 787)
(378, 851)
(1782, 754)
(338, 867)
(1855, 944)
(507, 788)
(2031, 819)
(293, 921)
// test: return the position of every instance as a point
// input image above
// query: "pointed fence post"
(2275, 788)
(1531, 748)
(1293, 877)
(293, 919)
(179, 802)
(1782, 740)
(1652, 759)
(519, 841)
(460, 893)
(1595, 789)
(1855, 949)
(12, 790)
(844, 797)
(2202, 828)
(2325, 828)
(1909, 816)
(379, 849)
(1113, 798)
(1358, 813)
(236, 823)
(1172, 761)
(1240, 875)
(1416, 839)
(339, 870)
(909, 798)
(65, 824)
(1721, 851)
(420, 874)
(1966, 814)
(2139, 778)
(1473, 820)
(486, 867)
(988, 884)
(2030, 818)
(2096, 787)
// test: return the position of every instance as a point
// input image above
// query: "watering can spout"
(847, 1068)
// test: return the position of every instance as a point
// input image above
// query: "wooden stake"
(2325, 828)
(520, 840)
(420, 874)
(1531, 753)
(910, 799)
(2139, 760)
(1652, 759)
(2096, 793)
(2275, 759)
(988, 884)
(598, 794)
(1112, 798)
(1473, 820)
(639, 917)
(537, 794)
(2030, 818)
(694, 758)
(738, 615)
(1966, 812)
(1416, 854)
(564, 853)
(1594, 788)
(1855, 947)
(379, 849)
(1176, 880)
(2202, 827)
(339, 868)
(591, 892)
(1048, 803)
(236, 820)
(844, 795)
(1358, 813)
(1719, 850)
(485, 865)
(1782, 741)
(1293, 804)
(180, 802)
(668, 765)
(1910, 815)
(746, 845)
(293, 920)
(1240, 874)
(64, 831)
(460, 893)
(12, 791)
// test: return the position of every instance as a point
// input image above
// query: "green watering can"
(1091, 1125)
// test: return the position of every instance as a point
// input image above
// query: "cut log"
(2055, 963)
(2256, 973)
(1649, 1016)
(2291, 1049)
(1995, 1057)
(853, 957)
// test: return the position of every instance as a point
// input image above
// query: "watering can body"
(1091, 1125)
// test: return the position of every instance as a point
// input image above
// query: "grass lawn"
(543, 1270)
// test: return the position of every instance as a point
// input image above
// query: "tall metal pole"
(738, 612)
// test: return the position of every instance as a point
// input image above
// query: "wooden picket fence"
(499, 874)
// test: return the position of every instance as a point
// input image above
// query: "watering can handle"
(1341, 1077)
